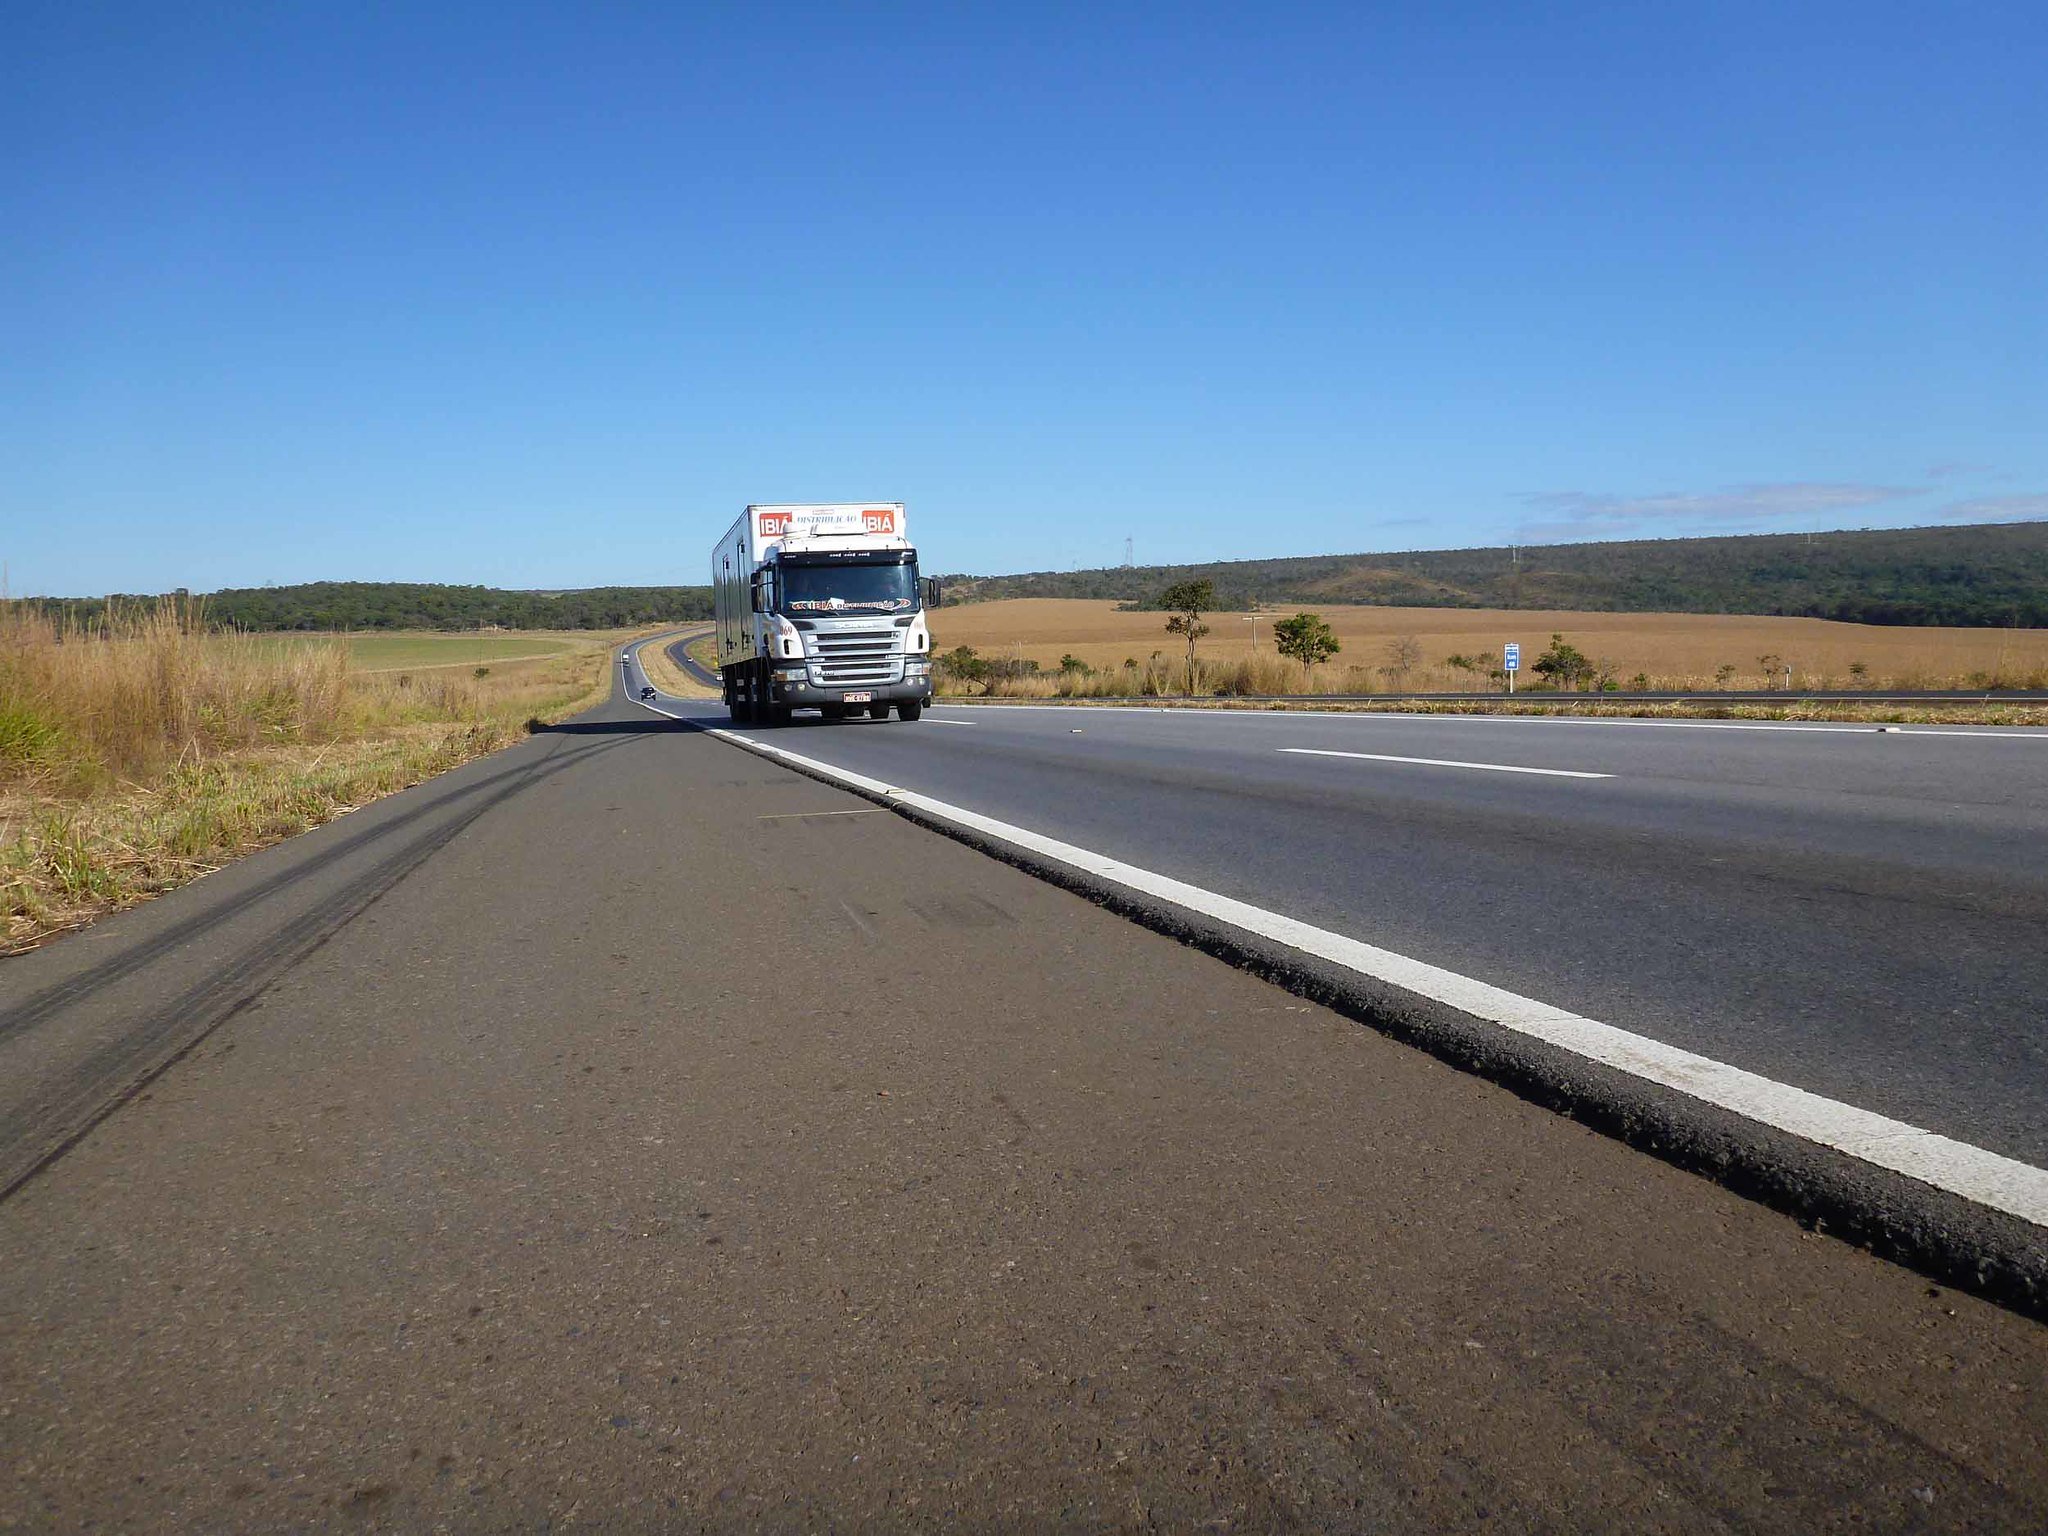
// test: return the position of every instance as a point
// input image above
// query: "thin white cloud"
(1995, 509)
(1948, 469)
(1567, 515)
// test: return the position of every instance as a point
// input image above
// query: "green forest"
(371, 605)
(1981, 575)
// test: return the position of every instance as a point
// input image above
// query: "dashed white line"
(1366, 717)
(1445, 762)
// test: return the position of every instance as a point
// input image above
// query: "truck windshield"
(838, 588)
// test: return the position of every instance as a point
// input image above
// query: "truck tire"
(778, 714)
(909, 709)
(878, 711)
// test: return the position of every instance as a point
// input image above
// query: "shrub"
(1564, 663)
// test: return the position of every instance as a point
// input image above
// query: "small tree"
(964, 666)
(1403, 652)
(1307, 639)
(1070, 663)
(1772, 664)
(1564, 663)
(1185, 602)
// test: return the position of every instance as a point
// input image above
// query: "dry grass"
(1664, 650)
(415, 650)
(667, 676)
(80, 709)
(135, 757)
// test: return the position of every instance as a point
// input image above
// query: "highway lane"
(626, 1131)
(678, 651)
(1859, 913)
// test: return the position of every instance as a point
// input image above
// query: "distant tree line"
(371, 605)
(1980, 575)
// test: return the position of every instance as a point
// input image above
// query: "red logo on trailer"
(878, 520)
(773, 523)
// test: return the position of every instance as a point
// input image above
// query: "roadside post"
(1511, 661)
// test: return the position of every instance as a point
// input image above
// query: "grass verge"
(148, 752)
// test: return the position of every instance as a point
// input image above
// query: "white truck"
(819, 606)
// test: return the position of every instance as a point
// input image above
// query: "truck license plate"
(859, 698)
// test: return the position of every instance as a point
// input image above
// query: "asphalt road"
(678, 651)
(626, 1131)
(1863, 914)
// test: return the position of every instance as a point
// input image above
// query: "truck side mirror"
(932, 592)
(759, 585)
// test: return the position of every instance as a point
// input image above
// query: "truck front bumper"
(809, 695)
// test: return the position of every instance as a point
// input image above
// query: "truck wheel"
(878, 711)
(833, 712)
(909, 710)
(778, 714)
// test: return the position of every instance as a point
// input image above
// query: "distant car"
(646, 693)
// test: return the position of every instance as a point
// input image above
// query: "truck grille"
(850, 656)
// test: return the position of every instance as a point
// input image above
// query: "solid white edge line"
(1987, 1178)
(1445, 762)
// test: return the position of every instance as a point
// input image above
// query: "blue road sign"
(1512, 657)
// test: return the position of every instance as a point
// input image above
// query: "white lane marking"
(1907, 730)
(1976, 1174)
(1445, 762)
(874, 810)
(952, 722)
(1365, 716)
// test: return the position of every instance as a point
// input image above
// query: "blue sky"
(541, 295)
